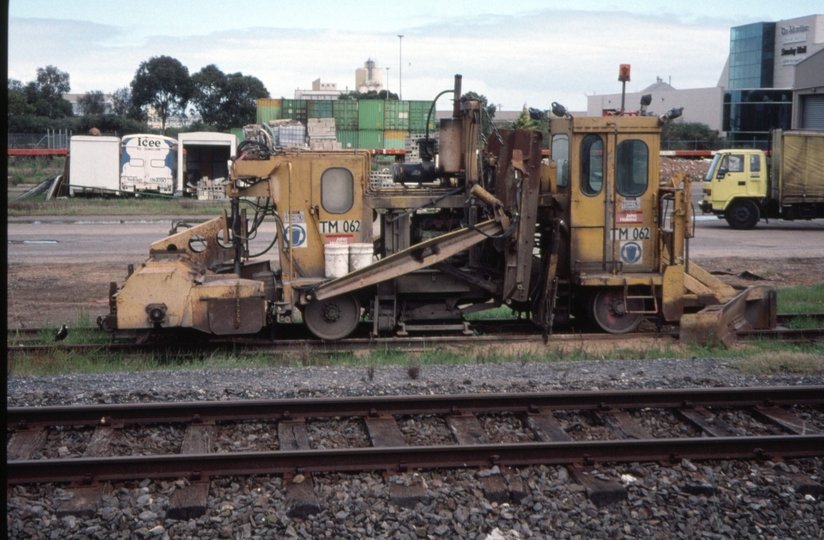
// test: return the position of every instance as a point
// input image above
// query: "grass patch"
(755, 348)
(82, 331)
(801, 323)
(796, 363)
(33, 170)
(500, 312)
(802, 299)
(118, 206)
(761, 357)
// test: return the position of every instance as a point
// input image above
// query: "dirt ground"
(42, 295)
(52, 294)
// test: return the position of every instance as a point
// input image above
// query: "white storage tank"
(94, 164)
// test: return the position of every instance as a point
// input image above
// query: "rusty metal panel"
(427, 282)
(523, 184)
(413, 258)
(752, 309)
(236, 315)
(672, 293)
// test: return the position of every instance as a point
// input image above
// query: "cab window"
(560, 155)
(592, 164)
(734, 163)
(755, 163)
(632, 169)
(337, 190)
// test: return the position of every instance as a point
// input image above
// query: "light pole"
(400, 66)
(387, 83)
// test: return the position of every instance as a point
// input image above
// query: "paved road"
(96, 240)
(110, 240)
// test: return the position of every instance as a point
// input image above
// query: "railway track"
(784, 423)
(493, 331)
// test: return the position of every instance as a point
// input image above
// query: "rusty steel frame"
(403, 262)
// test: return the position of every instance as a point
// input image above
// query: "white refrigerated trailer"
(148, 163)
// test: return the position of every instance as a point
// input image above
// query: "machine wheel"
(333, 318)
(607, 310)
(742, 215)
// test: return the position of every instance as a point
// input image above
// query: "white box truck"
(742, 188)
(94, 164)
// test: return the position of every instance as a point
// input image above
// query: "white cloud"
(533, 58)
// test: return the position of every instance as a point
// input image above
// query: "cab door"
(589, 158)
(731, 177)
(613, 208)
(634, 231)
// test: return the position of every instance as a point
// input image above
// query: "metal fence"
(49, 140)
(694, 144)
(718, 144)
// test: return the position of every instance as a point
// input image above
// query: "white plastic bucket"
(337, 259)
(360, 255)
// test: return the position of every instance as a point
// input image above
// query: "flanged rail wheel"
(608, 310)
(333, 318)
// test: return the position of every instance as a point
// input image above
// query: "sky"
(529, 52)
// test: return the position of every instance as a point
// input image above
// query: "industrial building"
(773, 78)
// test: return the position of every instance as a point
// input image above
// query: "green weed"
(798, 363)
(802, 299)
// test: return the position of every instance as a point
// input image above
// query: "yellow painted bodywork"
(187, 296)
(293, 180)
(597, 222)
(177, 281)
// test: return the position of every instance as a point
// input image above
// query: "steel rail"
(413, 343)
(418, 343)
(31, 334)
(405, 458)
(279, 409)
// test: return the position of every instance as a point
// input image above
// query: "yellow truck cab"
(734, 185)
(742, 187)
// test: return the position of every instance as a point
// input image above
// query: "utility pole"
(400, 66)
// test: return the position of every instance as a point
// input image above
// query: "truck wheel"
(742, 215)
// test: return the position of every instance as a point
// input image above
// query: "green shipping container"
(320, 108)
(346, 114)
(396, 115)
(369, 139)
(295, 109)
(237, 132)
(269, 109)
(370, 114)
(394, 138)
(348, 139)
(418, 110)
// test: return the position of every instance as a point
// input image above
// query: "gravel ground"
(733, 499)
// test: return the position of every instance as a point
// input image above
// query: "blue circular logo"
(297, 235)
(631, 252)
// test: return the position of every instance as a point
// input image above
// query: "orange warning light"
(623, 73)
